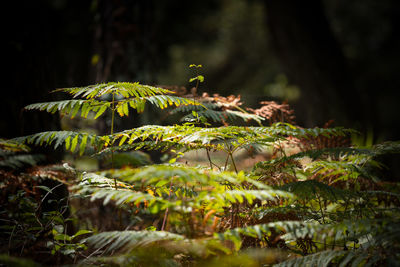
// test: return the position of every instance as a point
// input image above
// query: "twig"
(166, 211)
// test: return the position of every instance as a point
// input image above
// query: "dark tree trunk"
(46, 48)
(312, 59)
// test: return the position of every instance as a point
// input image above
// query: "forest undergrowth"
(235, 186)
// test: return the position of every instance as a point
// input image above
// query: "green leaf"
(82, 232)
(75, 110)
(120, 109)
(74, 143)
(67, 142)
(101, 111)
(82, 146)
(44, 188)
(123, 139)
(125, 109)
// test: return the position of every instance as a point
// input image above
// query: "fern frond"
(332, 235)
(161, 187)
(91, 180)
(363, 154)
(124, 89)
(218, 200)
(386, 148)
(12, 146)
(288, 129)
(221, 116)
(340, 170)
(160, 101)
(122, 196)
(190, 137)
(322, 259)
(73, 107)
(197, 108)
(196, 137)
(160, 175)
(310, 189)
(126, 241)
(18, 161)
(73, 141)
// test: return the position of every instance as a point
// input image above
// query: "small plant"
(313, 200)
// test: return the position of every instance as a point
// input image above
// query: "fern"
(221, 116)
(123, 89)
(363, 154)
(365, 235)
(126, 241)
(322, 259)
(311, 213)
(12, 146)
(190, 108)
(11, 155)
(218, 201)
(311, 189)
(19, 161)
(122, 196)
(215, 138)
(73, 141)
(160, 187)
(218, 109)
(155, 174)
(72, 107)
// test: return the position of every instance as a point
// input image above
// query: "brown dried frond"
(275, 112)
(277, 179)
(10, 184)
(226, 103)
(323, 141)
(54, 172)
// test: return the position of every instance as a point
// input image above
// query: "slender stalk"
(226, 162)
(233, 161)
(320, 208)
(209, 158)
(112, 132)
(164, 220)
(166, 211)
(9, 240)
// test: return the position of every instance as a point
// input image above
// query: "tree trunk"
(312, 59)
(45, 49)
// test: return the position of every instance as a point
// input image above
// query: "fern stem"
(209, 158)
(166, 210)
(320, 208)
(226, 162)
(112, 132)
(233, 161)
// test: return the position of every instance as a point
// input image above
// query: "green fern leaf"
(311, 189)
(69, 138)
(321, 259)
(127, 241)
(72, 107)
(123, 89)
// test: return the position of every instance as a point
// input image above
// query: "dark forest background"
(330, 59)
